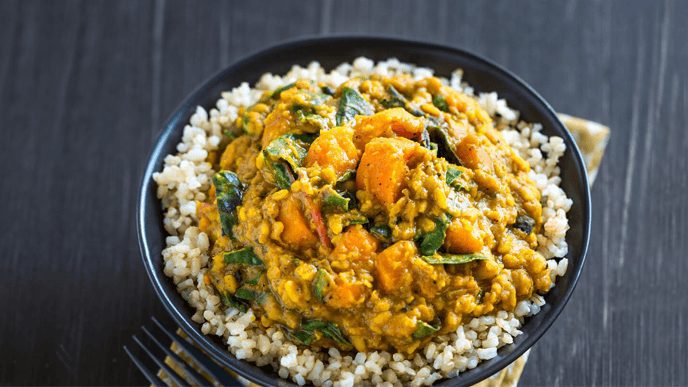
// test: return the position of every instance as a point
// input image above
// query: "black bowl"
(482, 74)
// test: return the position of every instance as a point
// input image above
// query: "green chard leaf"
(256, 279)
(351, 104)
(278, 91)
(313, 120)
(284, 154)
(396, 99)
(452, 259)
(333, 201)
(440, 103)
(319, 282)
(437, 130)
(382, 232)
(433, 240)
(244, 256)
(250, 295)
(229, 301)
(424, 329)
(354, 217)
(453, 173)
(328, 329)
(229, 192)
(305, 334)
(348, 175)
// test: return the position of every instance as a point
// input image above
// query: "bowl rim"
(251, 371)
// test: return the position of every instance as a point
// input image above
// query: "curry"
(371, 217)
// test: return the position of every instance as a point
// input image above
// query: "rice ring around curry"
(370, 224)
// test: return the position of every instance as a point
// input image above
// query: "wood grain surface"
(85, 86)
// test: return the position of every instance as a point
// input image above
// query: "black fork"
(157, 350)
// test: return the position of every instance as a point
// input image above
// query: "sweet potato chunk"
(345, 294)
(355, 244)
(388, 123)
(334, 148)
(297, 232)
(393, 264)
(472, 154)
(384, 166)
(462, 238)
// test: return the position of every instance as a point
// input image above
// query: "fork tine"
(191, 373)
(221, 376)
(169, 371)
(150, 376)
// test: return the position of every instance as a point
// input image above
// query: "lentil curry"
(371, 217)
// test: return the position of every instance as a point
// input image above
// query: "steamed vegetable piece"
(250, 295)
(284, 154)
(229, 300)
(276, 94)
(333, 201)
(440, 103)
(452, 259)
(319, 283)
(244, 256)
(305, 334)
(297, 232)
(335, 148)
(445, 147)
(385, 165)
(382, 232)
(352, 104)
(433, 240)
(462, 237)
(229, 192)
(424, 329)
(453, 173)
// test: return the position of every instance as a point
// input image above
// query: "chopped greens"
(433, 240)
(424, 329)
(255, 280)
(350, 174)
(354, 217)
(440, 103)
(453, 173)
(327, 90)
(333, 201)
(250, 295)
(285, 152)
(438, 134)
(244, 256)
(382, 232)
(229, 300)
(351, 104)
(311, 119)
(306, 333)
(229, 192)
(319, 283)
(452, 259)
(276, 94)
(524, 223)
(396, 100)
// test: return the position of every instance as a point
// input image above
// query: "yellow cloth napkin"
(591, 138)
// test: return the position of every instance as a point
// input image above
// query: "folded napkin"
(591, 139)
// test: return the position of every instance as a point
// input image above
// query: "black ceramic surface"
(482, 74)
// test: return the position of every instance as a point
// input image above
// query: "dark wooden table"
(85, 86)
